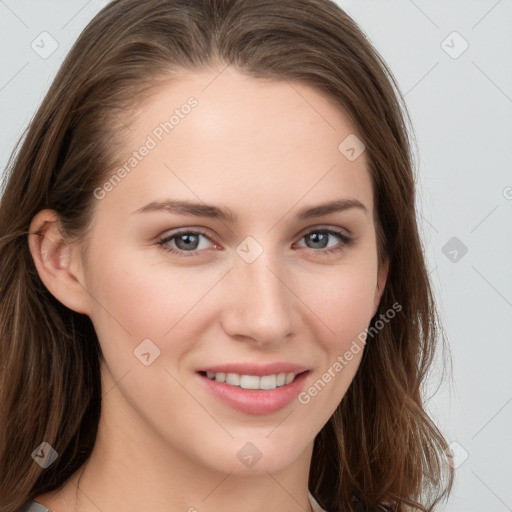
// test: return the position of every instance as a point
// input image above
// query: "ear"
(57, 262)
(382, 277)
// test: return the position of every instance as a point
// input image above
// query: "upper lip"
(256, 369)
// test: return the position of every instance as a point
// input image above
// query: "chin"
(253, 455)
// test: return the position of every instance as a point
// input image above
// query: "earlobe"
(56, 260)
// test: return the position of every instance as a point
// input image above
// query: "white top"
(33, 506)
(314, 503)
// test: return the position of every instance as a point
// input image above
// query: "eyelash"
(345, 239)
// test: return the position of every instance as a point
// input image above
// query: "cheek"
(145, 299)
(341, 298)
(351, 309)
(343, 306)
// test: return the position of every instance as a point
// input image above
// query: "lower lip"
(256, 401)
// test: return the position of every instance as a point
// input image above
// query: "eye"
(186, 243)
(190, 243)
(319, 240)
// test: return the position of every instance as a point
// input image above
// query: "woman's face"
(245, 274)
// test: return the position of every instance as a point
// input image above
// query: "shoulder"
(33, 506)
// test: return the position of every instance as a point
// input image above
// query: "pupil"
(318, 238)
(189, 240)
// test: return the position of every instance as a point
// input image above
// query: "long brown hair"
(380, 447)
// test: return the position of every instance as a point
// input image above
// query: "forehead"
(223, 135)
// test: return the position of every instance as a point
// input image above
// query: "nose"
(259, 302)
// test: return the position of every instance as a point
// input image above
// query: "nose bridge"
(262, 303)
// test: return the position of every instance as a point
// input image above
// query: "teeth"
(233, 379)
(219, 377)
(253, 381)
(268, 382)
(249, 382)
(289, 378)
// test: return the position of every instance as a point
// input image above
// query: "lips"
(254, 401)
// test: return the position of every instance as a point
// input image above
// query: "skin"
(264, 149)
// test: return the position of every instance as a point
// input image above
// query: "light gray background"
(461, 109)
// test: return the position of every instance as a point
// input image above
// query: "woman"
(213, 292)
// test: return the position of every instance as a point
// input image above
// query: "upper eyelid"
(325, 227)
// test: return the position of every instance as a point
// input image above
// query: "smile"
(265, 382)
(254, 394)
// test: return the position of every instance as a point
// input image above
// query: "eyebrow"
(225, 214)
